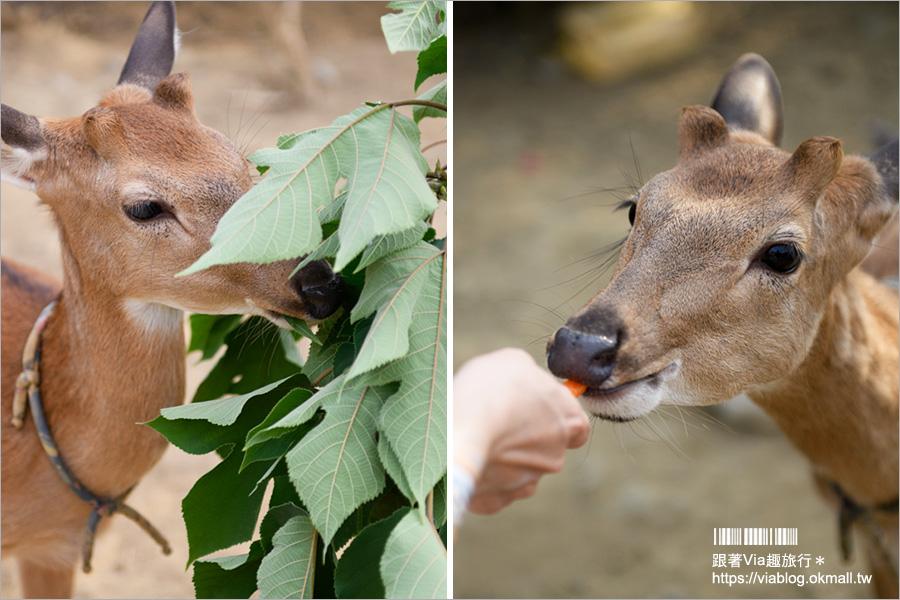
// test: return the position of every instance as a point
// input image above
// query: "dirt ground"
(58, 58)
(633, 513)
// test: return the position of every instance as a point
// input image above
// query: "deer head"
(137, 186)
(732, 257)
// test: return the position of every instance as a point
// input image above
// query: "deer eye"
(631, 205)
(144, 210)
(782, 258)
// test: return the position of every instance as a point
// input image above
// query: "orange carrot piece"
(576, 388)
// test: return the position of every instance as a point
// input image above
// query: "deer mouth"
(630, 400)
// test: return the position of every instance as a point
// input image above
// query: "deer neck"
(108, 365)
(840, 406)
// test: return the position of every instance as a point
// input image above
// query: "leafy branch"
(352, 437)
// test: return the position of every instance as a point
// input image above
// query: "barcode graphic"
(755, 536)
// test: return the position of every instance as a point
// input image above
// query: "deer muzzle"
(320, 289)
(587, 358)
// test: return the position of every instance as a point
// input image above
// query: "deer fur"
(696, 313)
(113, 350)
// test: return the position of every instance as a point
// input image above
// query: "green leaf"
(414, 563)
(301, 327)
(294, 410)
(334, 331)
(386, 244)
(432, 60)
(277, 516)
(394, 468)
(335, 466)
(223, 411)
(393, 286)
(224, 495)
(333, 211)
(338, 351)
(275, 449)
(327, 248)
(283, 491)
(323, 586)
(269, 223)
(197, 435)
(414, 27)
(414, 419)
(387, 191)
(255, 357)
(228, 576)
(440, 502)
(288, 570)
(288, 344)
(358, 573)
(375, 149)
(436, 94)
(208, 332)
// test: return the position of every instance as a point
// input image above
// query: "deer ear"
(749, 98)
(153, 50)
(814, 165)
(175, 93)
(700, 129)
(104, 131)
(25, 147)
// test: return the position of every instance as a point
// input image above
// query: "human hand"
(513, 423)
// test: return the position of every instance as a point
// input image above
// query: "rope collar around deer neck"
(28, 388)
(850, 512)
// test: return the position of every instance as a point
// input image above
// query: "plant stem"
(434, 143)
(322, 376)
(418, 102)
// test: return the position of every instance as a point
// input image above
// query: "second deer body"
(739, 275)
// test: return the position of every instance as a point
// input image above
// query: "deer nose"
(320, 288)
(585, 357)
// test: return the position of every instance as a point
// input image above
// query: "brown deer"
(739, 275)
(136, 186)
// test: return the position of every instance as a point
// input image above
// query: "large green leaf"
(288, 570)
(414, 27)
(276, 219)
(224, 495)
(223, 411)
(414, 563)
(432, 60)
(436, 94)
(358, 573)
(228, 576)
(393, 288)
(393, 468)
(189, 429)
(258, 353)
(278, 515)
(375, 149)
(414, 419)
(335, 467)
(387, 191)
(208, 332)
(387, 244)
(440, 504)
(295, 399)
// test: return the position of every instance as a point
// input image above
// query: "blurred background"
(259, 70)
(553, 103)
